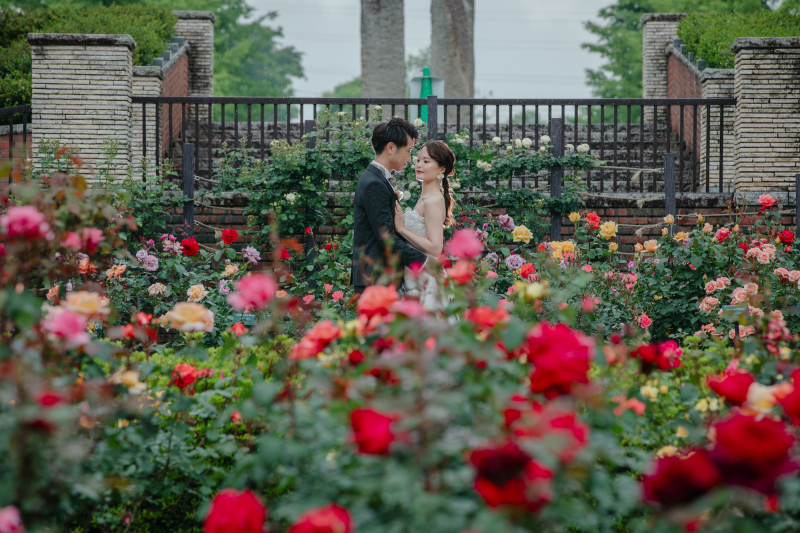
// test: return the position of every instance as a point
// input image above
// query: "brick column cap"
(743, 43)
(81, 39)
(661, 17)
(199, 15)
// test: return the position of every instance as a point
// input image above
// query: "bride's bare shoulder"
(434, 207)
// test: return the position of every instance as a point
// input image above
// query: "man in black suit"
(374, 206)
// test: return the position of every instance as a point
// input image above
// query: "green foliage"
(710, 35)
(348, 89)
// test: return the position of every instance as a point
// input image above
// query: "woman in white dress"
(423, 226)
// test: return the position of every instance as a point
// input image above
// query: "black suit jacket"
(373, 221)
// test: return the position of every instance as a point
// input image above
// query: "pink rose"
(91, 238)
(711, 287)
(644, 321)
(328, 287)
(66, 328)
(586, 268)
(563, 305)
(253, 291)
(725, 281)
(308, 298)
(722, 235)
(794, 275)
(777, 314)
(719, 284)
(763, 258)
(755, 311)
(739, 295)
(782, 273)
(337, 296)
(465, 244)
(766, 201)
(751, 288)
(10, 520)
(24, 221)
(71, 241)
(491, 274)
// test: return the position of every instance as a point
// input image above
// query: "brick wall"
(659, 29)
(683, 83)
(717, 83)
(16, 141)
(176, 83)
(197, 27)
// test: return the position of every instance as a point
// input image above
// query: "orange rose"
(650, 246)
(85, 266)
(116, 271)
(376, 300)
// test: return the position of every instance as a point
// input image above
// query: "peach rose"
(681, 235)
(613, 247)
(751, 288)
(116, 271)
(710, 287)
(708, 228)
(739, 295)
(376, 300)
(230, 270)
(763, 258)
(53, 292)
(608, 230)
(87, 304)
(669, 219)
(651, 245)
(196, 293)
(156, 288)
(664, 232)
(794, 275)
(189, 317)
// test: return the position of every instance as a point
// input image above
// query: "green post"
(426, 90)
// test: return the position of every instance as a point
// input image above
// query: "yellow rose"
(681, 235)
(682, 432)
(567, 246)
(230, 270)
(608, 230)
(612, 247)
(129, 379)
(708, 228)
(521, 233)
(196, 293)
(760, 398)
(638, 247)
(88, 304)
(669, 219)
(557, 254)
(188, 317)
(574, 217)
(667, 451)
(650, 246)
(535, 291)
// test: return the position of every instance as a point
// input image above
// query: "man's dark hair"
(396, 130)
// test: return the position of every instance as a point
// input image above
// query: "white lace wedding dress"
(423, 286)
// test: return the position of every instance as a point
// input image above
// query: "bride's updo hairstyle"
(443, 155)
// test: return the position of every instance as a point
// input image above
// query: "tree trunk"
(452, 47)
(383, 51)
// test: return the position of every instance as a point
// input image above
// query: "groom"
(374, 205)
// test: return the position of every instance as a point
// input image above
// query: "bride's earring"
(440, 177)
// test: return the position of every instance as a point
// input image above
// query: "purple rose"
(224, 289)
(150, 263)
(515, 262)
(492, 258)
(141, 255)
(506, 222)
(252, 254)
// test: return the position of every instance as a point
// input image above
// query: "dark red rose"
(183, 375)
(229, 236)
(285, 254)
(731, 386)
(507, 475)
(329, 246)
(752, 452)
(744, 247)
(328, 519)
(49, 399)
(786, 237)
(560, 357)
(372, 430)
(233, 511)
(308, 231)
(791, 402)
(355, 357)
(679, 479)
(560, 431)
(190, 247)
(665, 356)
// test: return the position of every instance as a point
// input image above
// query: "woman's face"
(426, 168)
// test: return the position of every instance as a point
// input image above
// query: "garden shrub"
(710, 35)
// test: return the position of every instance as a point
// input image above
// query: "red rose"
(542, 247)
(507, 475)
(791, 402)
(485, 317)
(560, 357)
(236, 416)
(229, 236)
(665, 355)
(679, 479)
(183, 375)
(238, 329)
(190, 247)
(561, 432)
(752, 453)
(144, 318)
(594, 220)
(372, 430)
(285, 254)
(463, 272)
(744, 247)
(786, 236)
(526, 270)
(128, 331)
(315, 340)
(329, 246)
(335, 245)
(49, 399)
(235, 512)
(732, 386)
(376, 300)
(328, 519)
(308, 231)
(355, 357)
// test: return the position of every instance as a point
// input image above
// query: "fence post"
(188, 186)
(556, 173)
(433, 118)
(797, 205)
(669, 187)
(310, 126)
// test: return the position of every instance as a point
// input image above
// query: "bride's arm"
(434, 218)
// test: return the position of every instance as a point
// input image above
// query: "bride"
(423, 226)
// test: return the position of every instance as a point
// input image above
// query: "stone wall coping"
(661, 17)
(159, 67)
(149, 70)
(81, 39)
(717, 74)
(196, 15)
(672, 50)
(743, 43)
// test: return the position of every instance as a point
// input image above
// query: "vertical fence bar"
(575, 133)
(669, 128)
(484, 124)
(183, 123)
(210, 140)
(170, 133)
(275, 121)
(655, 137)
(616, 123)
(235, 124)
(310, 126)
(556, 173)
(471, 125)
(536, 132)
(602, 144)
(628, 151)
(497, 120)
(523, 121)
(263, 139)
(797, 205)
(695, 151)
(249, 125)
(144, 140)
(188, 187)
(444, 123)
(197, 126)
(721, 142)
(159, 107)
(24, 135)
(681, 142)
(458, 118)
(708, 148)
(669, 187)
(641, 147)
(433, 117)
(224, 133)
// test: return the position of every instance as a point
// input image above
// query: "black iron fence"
(14, 130)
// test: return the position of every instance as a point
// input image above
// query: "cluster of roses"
(664, 356)
(789, 276)
(760, 250)
(66, 323)
(750, 446)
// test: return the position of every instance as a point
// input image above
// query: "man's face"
(399, 157)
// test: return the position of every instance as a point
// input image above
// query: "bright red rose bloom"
(229, 236)
(752, 453)
(786, 236)
(665, 355)
(376, 300)
(329, 519)
(233, 511)
(731, 386)
(49, 399)
(744, 247)
(560, 357)
(285, 254)
(355, 357)
(485, 317)
(128, 331)
(679, 479)
(463, 272)
(190, 247)
(308, 231)
(526, 270)
(561, 432)
(594, 220)
(372, 430)
(791, 402)
(329, 246)
(183, 375)
(238, 329)
(507, 475)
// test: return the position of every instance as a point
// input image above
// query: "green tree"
(619, 39)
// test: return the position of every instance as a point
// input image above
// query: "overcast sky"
(523, 48)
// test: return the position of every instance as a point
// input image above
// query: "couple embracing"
(382, 230)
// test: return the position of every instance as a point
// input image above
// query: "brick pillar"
(659, 29)
(717, 83)
(767, 88)
(197, 27)
(82, 94)
(147, 81)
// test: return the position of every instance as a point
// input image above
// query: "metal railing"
(7, 121)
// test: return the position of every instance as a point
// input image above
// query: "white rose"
(544, 139)
(583, 148)
(527, 142)
(542, 149)
(570, 148)
(291, 197)
(459, 140)
(509, 148)
(414, 160)
(518, 143)
(413, 185)
(378, 108)
(406, 195)
(418, 122)
(497, 140)
(455, 184)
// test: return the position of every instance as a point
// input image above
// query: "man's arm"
(376, 199)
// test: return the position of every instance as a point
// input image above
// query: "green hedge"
(149, 26)
(710, 35)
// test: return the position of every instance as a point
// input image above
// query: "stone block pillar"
(717, 83)
(197, 27)
(767, 89)
(659, 29)
(82, 94)
(147, 81)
